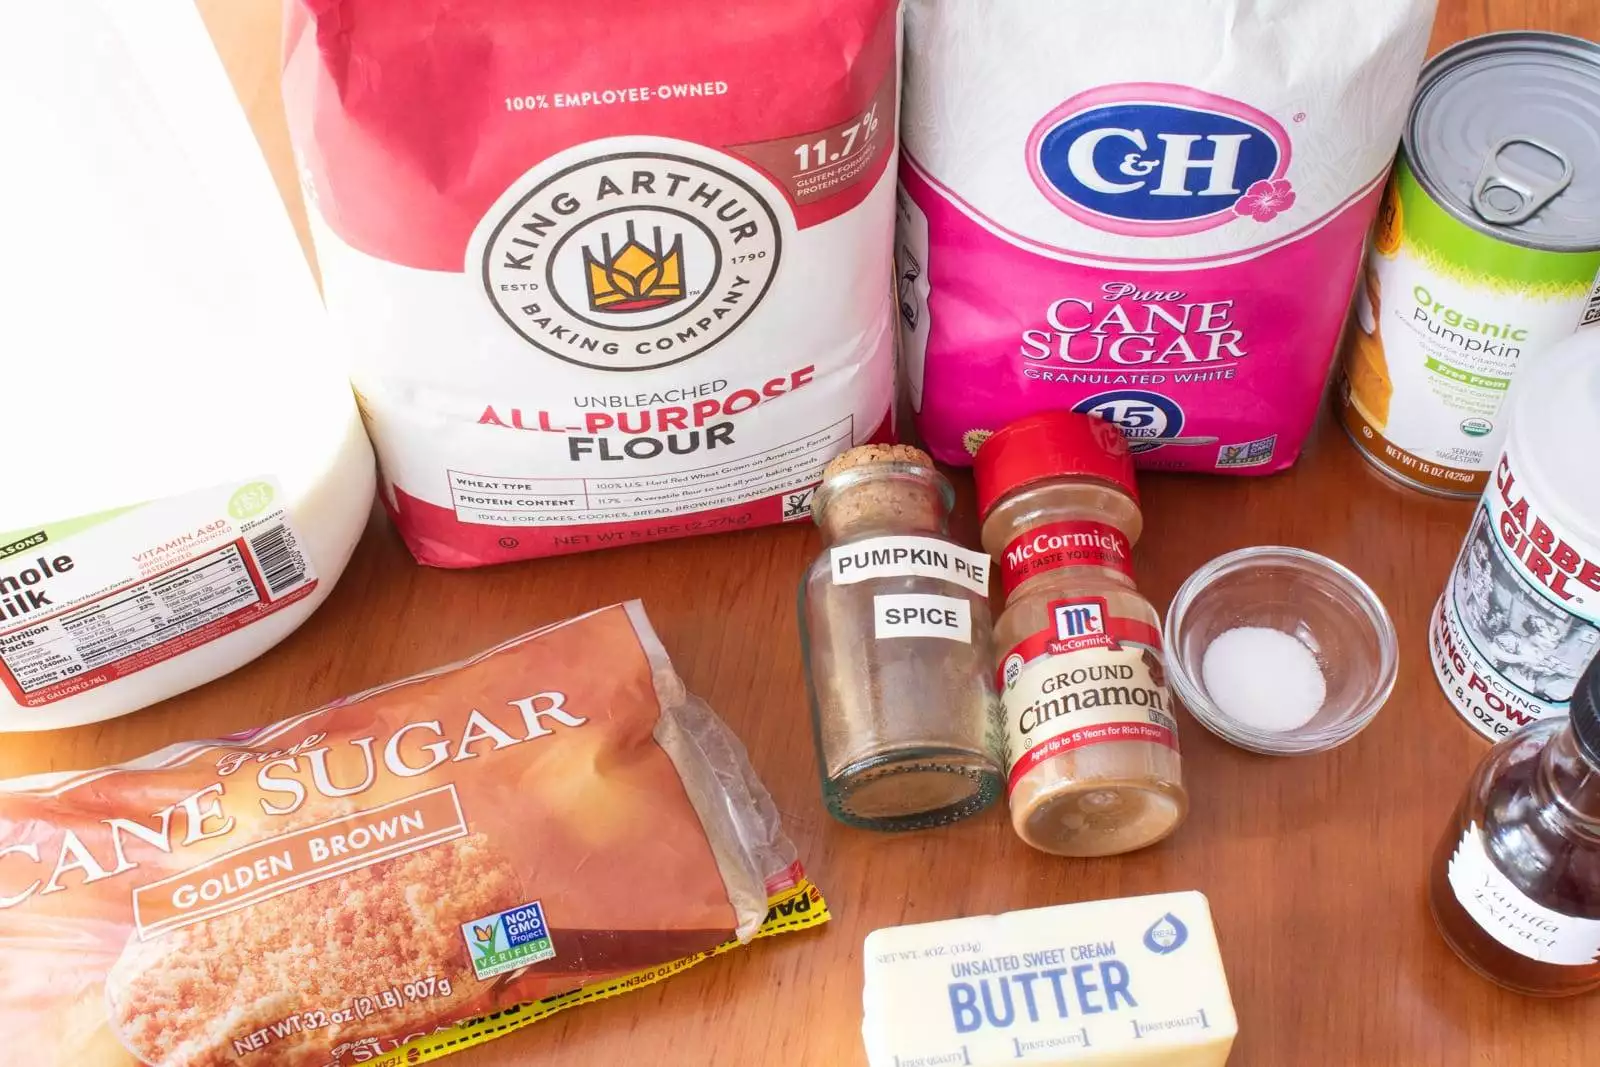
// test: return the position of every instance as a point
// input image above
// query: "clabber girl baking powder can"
(1520, 616)
(1486, 252)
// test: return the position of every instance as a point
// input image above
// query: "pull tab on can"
(1503, 199)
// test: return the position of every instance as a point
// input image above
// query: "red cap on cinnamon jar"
(1051, 444)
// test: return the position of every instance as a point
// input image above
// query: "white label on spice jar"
(907, 557)
(922, 615)
(1511, 917)
(1059, 703)
(1520, 615)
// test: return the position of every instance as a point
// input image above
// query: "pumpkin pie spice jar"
(895, 622)
(1091, 742)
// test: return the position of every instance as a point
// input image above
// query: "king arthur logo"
(636, 278)
(631, 261)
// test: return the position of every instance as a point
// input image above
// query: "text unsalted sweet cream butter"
(1109, 982)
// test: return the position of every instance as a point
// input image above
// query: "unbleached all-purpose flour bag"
(608, 275)
(1147, 210)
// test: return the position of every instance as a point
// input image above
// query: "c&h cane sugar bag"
(1147, 210)
(609, 274)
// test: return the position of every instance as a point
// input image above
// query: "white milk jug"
(184, 472)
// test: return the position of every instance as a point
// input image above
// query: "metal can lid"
(1505, 134)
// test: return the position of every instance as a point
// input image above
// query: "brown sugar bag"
(321, 890)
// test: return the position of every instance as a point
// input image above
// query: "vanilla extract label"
(1511, 917)
(632, 261)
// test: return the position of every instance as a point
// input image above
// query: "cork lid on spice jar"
(866, 455)
(1052, 444)
(861, 483)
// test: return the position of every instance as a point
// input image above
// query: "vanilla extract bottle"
(1515, 885)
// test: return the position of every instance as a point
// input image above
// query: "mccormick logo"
(1079, 620)
(1078, 624)
(1158, 160)
(636, 278)
(630, 261)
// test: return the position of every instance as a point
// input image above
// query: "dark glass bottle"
(1515, 885)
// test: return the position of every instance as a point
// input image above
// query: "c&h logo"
(1160, 160)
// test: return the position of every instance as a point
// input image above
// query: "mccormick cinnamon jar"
(1092, 745)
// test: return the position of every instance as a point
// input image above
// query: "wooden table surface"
(1314, 866)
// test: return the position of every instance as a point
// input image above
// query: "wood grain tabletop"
(1314, 866)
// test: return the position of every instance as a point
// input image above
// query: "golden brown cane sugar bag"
(552, 814)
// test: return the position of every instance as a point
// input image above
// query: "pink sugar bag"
(1151, 211)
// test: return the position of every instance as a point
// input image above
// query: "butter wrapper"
(1110, 982)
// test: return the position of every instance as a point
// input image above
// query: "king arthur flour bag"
(1147, 210)
(608, 277)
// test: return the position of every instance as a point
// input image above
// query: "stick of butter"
(1109, 983)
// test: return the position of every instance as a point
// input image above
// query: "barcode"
(279, 558)
(1591, 314)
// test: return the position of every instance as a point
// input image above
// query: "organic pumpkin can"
(1486, 252)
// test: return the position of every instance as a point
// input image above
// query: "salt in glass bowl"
(1321, 604)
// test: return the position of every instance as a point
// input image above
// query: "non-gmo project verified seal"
(508, 940)
(1249, 454)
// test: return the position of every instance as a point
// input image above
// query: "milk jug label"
(95, 598)
(1511, 917)
(1520, 616)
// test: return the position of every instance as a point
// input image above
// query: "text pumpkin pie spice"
(895, 622)
(552, 816)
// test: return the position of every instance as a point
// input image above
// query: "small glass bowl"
(1320, 603)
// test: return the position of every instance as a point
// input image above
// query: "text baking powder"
(1520, 615)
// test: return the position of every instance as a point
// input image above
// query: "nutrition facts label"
(131, 620)
(506, 501)
(106, 636)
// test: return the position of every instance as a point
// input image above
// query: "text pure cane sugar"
(1149, 211)
(604, 279)
(1485, 254)
(398, 875)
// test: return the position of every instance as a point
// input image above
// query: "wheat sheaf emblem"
(636, 277)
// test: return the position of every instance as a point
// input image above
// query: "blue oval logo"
(1167, 935)
(1161, 166)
